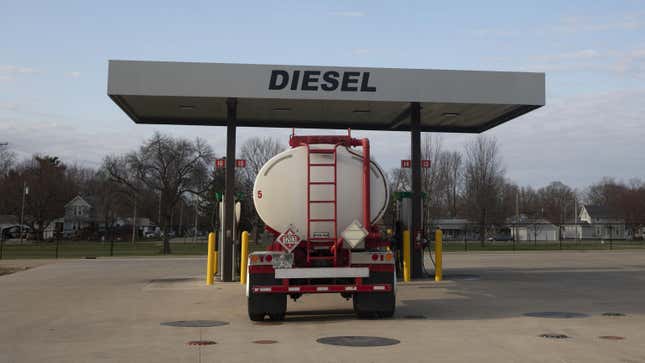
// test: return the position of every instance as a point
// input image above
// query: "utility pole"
(181, 214)
(134, 220)
(25, 191)
(195, 230)
(159, 213)
(517, 216)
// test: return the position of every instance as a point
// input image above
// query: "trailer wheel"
(277, 316)
(376, 304)
(274, 305)
(370, 305)
(256, 311)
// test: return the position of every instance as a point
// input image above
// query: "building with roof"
(604, 222)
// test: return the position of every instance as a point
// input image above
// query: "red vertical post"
(366, 184)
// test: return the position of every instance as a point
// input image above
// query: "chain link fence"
(541, 236)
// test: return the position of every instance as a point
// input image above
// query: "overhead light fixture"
(361, 111)
(450, 114)
(282, 109)
(186, 107)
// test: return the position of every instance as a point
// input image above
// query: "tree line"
(472, 184)
(173, 182)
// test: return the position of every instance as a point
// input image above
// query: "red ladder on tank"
(328, 241)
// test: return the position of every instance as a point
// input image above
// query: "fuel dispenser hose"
(429, 247)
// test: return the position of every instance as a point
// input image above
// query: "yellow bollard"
(438, 250)
(210, 261)
(244, 258)
(407, 265)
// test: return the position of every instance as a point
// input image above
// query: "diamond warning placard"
(289, 239)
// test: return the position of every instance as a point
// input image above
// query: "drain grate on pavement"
(265, 341)
(200, 342)
(358, 341)
(611, 337)
(554, 336)
(195, 323)
(556, 315)
(613, 314)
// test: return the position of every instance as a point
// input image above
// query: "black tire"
(277, 316)
(371, 305)
(256, 317)
(275, 305)
(259, 305)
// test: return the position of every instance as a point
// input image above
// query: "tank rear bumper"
(316, 280)
(318, 289)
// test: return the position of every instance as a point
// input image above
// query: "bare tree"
(483, 177)
(399, 180)
(433, 177)
(7, 159)
(452, 169)
(257, 151)
(49, 190)
(554, 200)
(171, 167)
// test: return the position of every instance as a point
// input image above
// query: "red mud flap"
(320, 289)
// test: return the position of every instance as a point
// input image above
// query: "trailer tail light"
(275, 259)
(372, 258)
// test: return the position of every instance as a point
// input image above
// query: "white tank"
(280, 191)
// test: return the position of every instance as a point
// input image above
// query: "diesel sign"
(315, 80)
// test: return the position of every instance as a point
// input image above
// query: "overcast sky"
(53, 70)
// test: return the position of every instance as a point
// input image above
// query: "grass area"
(76, 249)
(68, 249)
(80, 249)
(541, 245)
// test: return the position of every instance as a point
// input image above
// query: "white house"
(604, 223)
(456, 229)
(538, 229)
(79, 215)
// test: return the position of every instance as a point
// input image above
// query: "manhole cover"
(556, 315)
(415, 317)
(195, 323)
(265, 341)
(554, 336)
(613, 314)
(358, 341)
(611, 337)
(201, 342)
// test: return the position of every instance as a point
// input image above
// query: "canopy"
(321, 97)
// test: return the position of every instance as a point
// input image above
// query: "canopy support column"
(229, 192)
(415, 131)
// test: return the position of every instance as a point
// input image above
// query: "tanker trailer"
(320, 199)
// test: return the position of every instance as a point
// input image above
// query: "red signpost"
(221, 163)
(406, 164)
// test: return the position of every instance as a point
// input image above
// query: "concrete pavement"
(111, 310)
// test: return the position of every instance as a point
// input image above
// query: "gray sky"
(53, 70)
